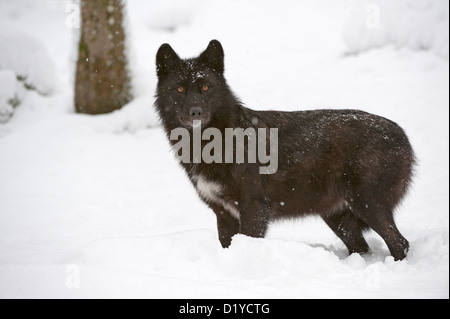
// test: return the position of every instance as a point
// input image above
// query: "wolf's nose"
(195, 113)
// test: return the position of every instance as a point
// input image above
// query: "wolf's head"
(192, 89)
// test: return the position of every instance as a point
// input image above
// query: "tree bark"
(102, 82)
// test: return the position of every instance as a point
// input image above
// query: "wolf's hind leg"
(349, 229)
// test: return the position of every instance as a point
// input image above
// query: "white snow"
(170, 15)
(415, 24)
(96, 206)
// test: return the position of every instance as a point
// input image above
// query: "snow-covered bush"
(29, 59)
(414, 24)
(25, 64)
(7, 94)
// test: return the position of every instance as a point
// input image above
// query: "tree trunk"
(102, 79)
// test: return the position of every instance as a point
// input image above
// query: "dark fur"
(350, 167)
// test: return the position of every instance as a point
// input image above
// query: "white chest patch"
(212, 192)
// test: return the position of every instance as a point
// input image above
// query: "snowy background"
(95, 206)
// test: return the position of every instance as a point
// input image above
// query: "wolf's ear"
(213, 56)
(166, 59)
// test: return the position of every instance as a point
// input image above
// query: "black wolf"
(350, 167)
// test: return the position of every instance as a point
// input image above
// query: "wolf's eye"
(205, 88)
(180, 89)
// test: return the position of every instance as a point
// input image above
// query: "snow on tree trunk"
(102, 78)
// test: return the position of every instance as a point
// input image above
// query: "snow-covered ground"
(95, 206)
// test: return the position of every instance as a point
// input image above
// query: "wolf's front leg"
(227, 225)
